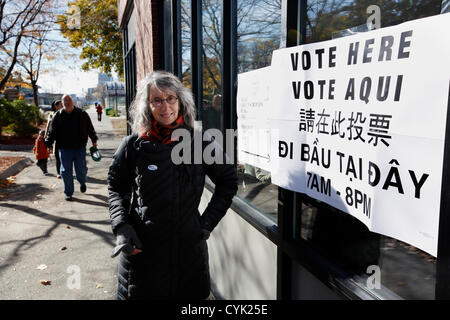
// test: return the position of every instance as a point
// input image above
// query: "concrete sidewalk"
(44, 237)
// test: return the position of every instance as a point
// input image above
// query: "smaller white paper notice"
(253, 107)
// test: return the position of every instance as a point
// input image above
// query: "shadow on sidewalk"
(101, 198)
(29, 191)
(96, 181)
(90, 202)
(58, 221)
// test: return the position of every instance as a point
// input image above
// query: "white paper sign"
(362, 122)
(253, 105)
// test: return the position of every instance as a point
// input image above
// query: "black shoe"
(83, 188)
(67, 198)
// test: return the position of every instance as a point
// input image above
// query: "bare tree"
(101, 93)
(37, 46)
(16, 17)
(30, 61)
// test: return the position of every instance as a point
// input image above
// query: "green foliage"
(98, 37)
(19, 118)
(110, 112)
(5, 107)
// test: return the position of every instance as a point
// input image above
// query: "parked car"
(45, 107)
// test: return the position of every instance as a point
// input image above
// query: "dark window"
(130, 62)
(259, 29)
(212, 111)
(258, 35)
(186, 31)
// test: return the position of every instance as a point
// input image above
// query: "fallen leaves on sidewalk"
(46, 282)
(41, 267)
(6, 183)
(63, 248)
(99, 285)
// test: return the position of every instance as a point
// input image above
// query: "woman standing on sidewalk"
(154, 203)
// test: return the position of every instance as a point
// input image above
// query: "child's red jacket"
(40, 150)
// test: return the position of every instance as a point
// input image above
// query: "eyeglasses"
(157, 102)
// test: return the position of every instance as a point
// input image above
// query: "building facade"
(275, 243)
(114, 94)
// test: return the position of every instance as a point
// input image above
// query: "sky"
(68, 80)
(66, 76)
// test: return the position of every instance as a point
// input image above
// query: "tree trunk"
(35, 93)
(13, 63)
(7, 75)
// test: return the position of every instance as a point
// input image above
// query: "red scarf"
(161, 133)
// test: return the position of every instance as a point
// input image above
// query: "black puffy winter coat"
(164, 213)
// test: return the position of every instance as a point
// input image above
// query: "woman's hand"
(205, 234)
(127, 241)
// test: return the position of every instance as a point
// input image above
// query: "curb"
(16, 168)
(16, 148)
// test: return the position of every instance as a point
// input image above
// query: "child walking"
(41, 152)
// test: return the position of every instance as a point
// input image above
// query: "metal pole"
(115, 87)
(196, 54)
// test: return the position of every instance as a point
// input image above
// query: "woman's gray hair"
(140, 112)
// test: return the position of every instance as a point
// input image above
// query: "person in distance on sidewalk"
(56, 106)
(41, 152)
(99, 108)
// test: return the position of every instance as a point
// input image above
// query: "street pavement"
(52, 249)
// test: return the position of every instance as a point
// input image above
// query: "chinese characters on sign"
(347, 127)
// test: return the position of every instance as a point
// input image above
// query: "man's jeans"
(70, 157)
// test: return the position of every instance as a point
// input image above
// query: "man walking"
(71, 128)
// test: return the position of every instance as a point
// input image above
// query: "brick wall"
(155, 34)
(144, 37)
(147, 34)
(121, 6)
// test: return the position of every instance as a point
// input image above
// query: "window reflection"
(259, 28)
(211, 113)
(406, 270)
(186, 32)
(258, 35)
(330, 19)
